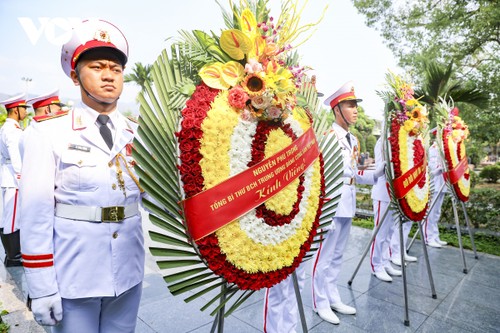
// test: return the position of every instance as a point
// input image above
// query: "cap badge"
(102, 36)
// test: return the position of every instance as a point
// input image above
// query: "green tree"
(3, 115)
(363, 128)
(371, 140)
(463, 32)
(141, 74)
(439, 82)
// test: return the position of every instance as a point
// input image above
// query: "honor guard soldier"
(328, 258)
(82, 240)
(431, 230)
(379, 252)
(46, 106)
(10, 134)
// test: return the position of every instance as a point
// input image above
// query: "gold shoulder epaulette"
(50, 116)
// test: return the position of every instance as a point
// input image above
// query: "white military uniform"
(328, 259)
(395, 247)
(281, 311)
(69, 174)
(379, 252)
(431, 230)
(10, 134)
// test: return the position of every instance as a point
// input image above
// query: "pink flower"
(237, 97)
(261, 101)
(253, 66)
(274, 112)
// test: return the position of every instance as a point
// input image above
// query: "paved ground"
(465, 302)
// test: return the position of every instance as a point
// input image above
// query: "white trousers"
(281, 311)
(379, 251)
(101, 314)
(10, 214)
(327, 262)
(395, 246)
(431, 230)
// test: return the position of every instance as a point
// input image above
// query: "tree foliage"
(463, 32)
(141, 74)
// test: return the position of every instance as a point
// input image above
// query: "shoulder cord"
(119, 172)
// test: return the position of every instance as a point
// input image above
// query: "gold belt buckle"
(113, 214)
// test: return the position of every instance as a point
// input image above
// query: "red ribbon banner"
(404, 183)
(458, 171)
(212, 209)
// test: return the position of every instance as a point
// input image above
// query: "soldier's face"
(22, 112)
(102, 76)
(350, 111)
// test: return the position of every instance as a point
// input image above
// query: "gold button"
(110, 164)
(113, 186)
(80, 162)
(115, 235)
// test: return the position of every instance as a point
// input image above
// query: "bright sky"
(341, 49)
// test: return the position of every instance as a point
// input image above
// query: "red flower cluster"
(418, 155)
(189, 138)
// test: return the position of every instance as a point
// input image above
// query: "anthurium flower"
(235, 43)
(258, 48)
(232, 73)
(212, 76)
(248, 23)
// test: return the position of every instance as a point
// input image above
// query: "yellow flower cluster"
(253, 257)
(239, 249)
(416, 202)
(282, 203)
(463, 183)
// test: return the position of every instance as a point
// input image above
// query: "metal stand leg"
(367, 248)
(471, 234)
(459, 234)
(426, 256)
(219, 317)
(403, 269)
(299, 302)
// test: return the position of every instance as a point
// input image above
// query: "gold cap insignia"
(102, 36)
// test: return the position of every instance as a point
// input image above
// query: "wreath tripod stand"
(457, 224)
(403, 266)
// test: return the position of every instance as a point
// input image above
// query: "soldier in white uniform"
(10, 134)
(45, 106)
(281, 310)
(82, 240)
(395, 246)
(379, 253)
(431, 230)
(328, 259)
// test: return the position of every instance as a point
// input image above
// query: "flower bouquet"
(452, 134)
(406, 126)
(229, 154)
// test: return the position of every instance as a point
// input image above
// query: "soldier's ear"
(74, 77)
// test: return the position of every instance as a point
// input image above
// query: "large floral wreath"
(217, 141)
(406, 124)
(227, 106)
(454, 134)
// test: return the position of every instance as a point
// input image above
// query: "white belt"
(96, 214)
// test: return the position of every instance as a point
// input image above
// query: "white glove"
(379, 171)
(47, 310)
